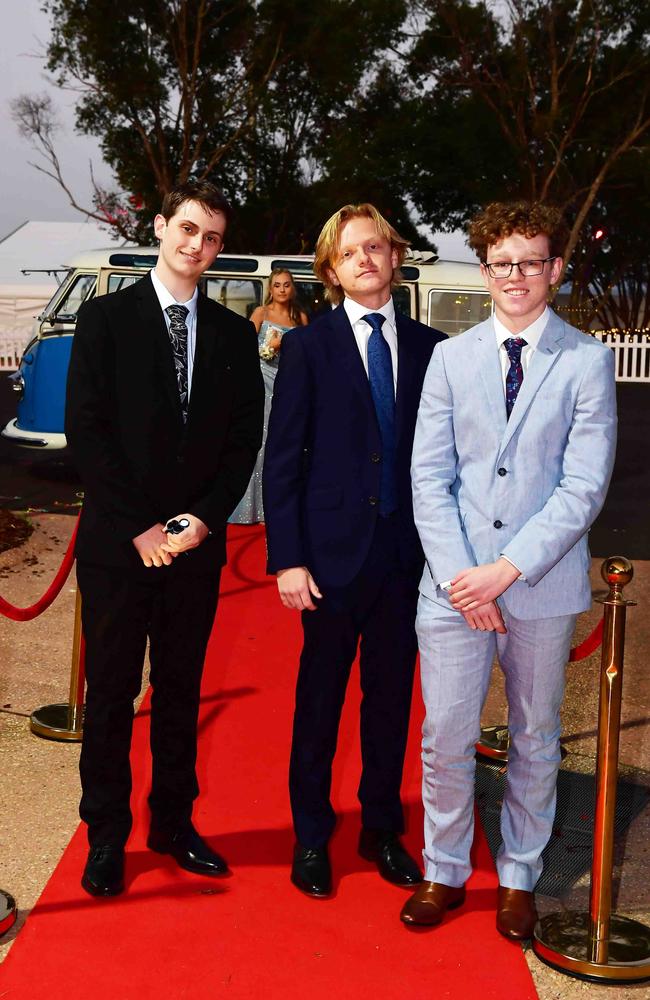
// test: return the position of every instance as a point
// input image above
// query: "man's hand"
(150, 546)
(486, 618)
(297, 587)
(481, 584)
(186, 539)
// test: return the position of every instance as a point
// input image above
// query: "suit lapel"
(487, 359)
(547, 353)
(346, 354)
(208, 340)
(407, 361)
(154, 328)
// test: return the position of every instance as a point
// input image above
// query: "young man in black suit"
(341, 536)
(164, 420)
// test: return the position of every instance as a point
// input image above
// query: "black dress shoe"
(393, 861)
(188, 851)
(311, 871)
(104, 871)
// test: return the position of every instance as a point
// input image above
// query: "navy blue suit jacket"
(323, 450)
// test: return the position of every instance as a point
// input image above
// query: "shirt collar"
(355, 311)
(531, 334)
(166, 298)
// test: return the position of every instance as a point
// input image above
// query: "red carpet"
(175, 936)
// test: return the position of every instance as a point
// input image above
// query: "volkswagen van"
(444, 294)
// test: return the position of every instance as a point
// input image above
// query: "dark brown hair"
(530, 218)
(206, 194)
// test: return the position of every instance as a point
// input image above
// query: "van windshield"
(65, 310)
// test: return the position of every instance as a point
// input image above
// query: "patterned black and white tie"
(178, 336)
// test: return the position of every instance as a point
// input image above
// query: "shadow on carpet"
(567, 855)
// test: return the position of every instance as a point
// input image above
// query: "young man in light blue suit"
(513, 452)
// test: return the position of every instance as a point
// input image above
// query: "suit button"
(502, 471)
(373, 501)
(498, 524)
(375, 457)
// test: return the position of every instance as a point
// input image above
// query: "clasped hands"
(157, 548)
(474, 592)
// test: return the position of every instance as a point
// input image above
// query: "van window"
(453, 312)
(242, 295)
(311, 296)
(116, 282)
(81, 288)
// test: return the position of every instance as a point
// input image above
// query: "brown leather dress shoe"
(516, 913)
(430, 902)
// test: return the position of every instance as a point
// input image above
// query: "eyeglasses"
(527, 268)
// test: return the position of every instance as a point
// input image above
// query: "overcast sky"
(27, 194)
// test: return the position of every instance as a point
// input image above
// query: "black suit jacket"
(139, 463)
(322, 464)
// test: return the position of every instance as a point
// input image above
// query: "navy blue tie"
(515, 373)
(380, 376)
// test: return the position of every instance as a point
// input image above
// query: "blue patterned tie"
(515, 376)
(178, 336)
(380, 376)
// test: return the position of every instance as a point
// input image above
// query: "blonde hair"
(294, 307)
(328, 243)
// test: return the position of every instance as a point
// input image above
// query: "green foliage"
(429, 108)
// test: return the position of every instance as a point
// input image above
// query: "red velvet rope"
(587, 647)
(34, 610)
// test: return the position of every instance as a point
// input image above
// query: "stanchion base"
(562, 941)
(57, 722)
(494, 743)
(7, 912)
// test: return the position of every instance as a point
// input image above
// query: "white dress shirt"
(362, 330)
(531, 335)
(167, 299)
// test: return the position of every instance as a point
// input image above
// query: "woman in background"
(279, 313)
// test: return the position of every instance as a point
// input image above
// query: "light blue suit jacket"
(528, 487)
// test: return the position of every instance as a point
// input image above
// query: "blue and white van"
(444, 294)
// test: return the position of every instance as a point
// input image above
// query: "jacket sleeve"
(91, 430)
(586, 471)
(243, 437)
(434, 471)
(284, 457)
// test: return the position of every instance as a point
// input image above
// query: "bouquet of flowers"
(267, 351)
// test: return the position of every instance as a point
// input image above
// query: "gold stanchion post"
(65, 722)
(7, 912)
(600, 945)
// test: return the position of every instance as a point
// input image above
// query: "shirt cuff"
(521, 575)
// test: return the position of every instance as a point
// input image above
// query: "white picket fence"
(632, 354)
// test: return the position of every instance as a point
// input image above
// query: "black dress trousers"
(120, 611)
(378, 608)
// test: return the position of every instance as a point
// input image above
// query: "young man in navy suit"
(164, 420)
(341, 536)
(513, 452)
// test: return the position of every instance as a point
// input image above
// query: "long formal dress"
(249, 510)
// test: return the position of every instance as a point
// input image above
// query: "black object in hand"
(174, 527)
